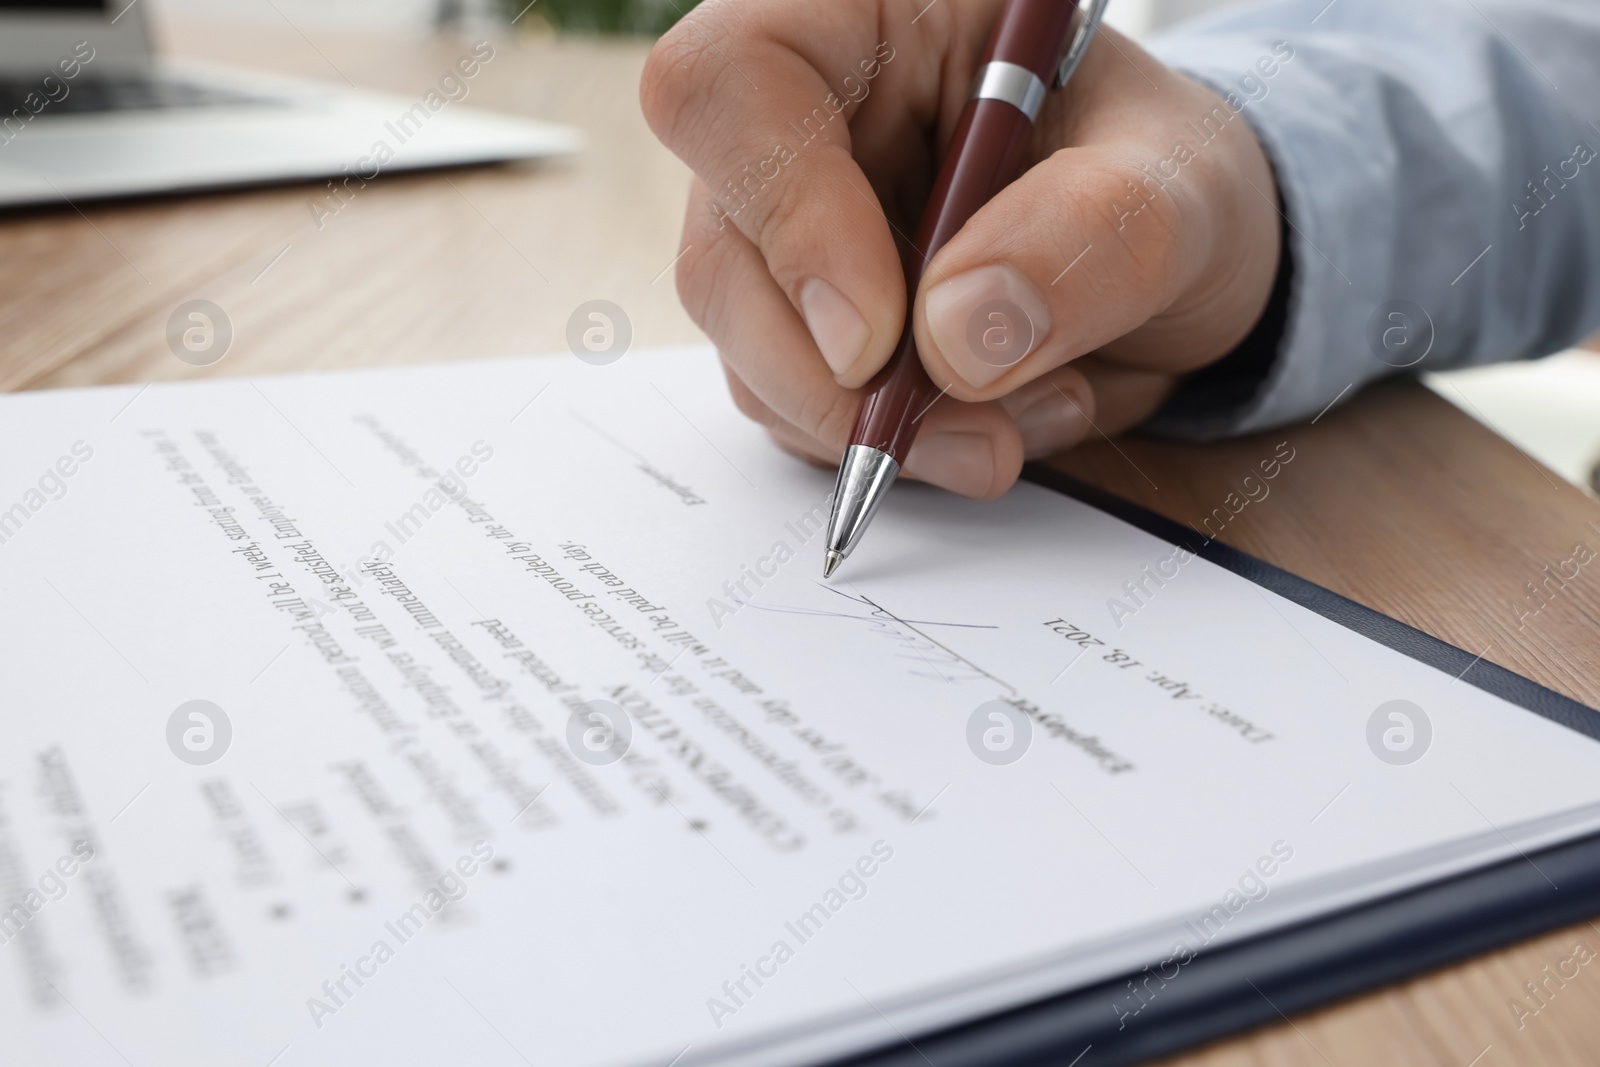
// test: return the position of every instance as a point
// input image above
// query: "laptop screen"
(35, 35)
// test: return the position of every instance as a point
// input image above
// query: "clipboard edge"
(1331, 958)
(1352, 615)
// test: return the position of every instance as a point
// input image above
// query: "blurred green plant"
(650, 17)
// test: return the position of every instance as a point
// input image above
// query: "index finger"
(757, 99)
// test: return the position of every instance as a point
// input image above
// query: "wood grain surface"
(1396, 499)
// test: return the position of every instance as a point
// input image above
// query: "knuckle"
(680, 73)
(1145, 221)
(828, 415)
(701, 278)
(695, 293)
(791, 221)
(663, 84)
(749, 405)
(781, 226)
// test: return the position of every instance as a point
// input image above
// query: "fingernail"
(835, 324)
(1050, 424)
(960, 462)
(985, 321)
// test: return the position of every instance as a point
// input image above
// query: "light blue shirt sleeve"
(1439, 165)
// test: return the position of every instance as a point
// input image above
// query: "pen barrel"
(984, 156)
(1030, 33)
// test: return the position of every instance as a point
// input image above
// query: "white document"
(304, 764)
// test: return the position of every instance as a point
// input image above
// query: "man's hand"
(1140, 243)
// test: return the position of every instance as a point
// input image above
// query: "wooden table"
(1396, 499)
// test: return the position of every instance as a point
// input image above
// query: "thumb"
(1153, 242)
(1080, 250)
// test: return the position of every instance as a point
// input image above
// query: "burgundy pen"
(1028, 50)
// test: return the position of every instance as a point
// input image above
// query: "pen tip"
(831, 563)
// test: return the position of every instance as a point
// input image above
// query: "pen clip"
(1089, 15)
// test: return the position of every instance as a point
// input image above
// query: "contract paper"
(497, 714)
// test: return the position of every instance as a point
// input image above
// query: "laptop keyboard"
(123, 92)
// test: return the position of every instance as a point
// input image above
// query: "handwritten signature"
(933, 659)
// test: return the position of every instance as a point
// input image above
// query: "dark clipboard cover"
(1267, 978)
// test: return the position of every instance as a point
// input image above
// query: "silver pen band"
(1017, 86)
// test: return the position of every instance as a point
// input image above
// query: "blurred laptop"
(87, 110)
